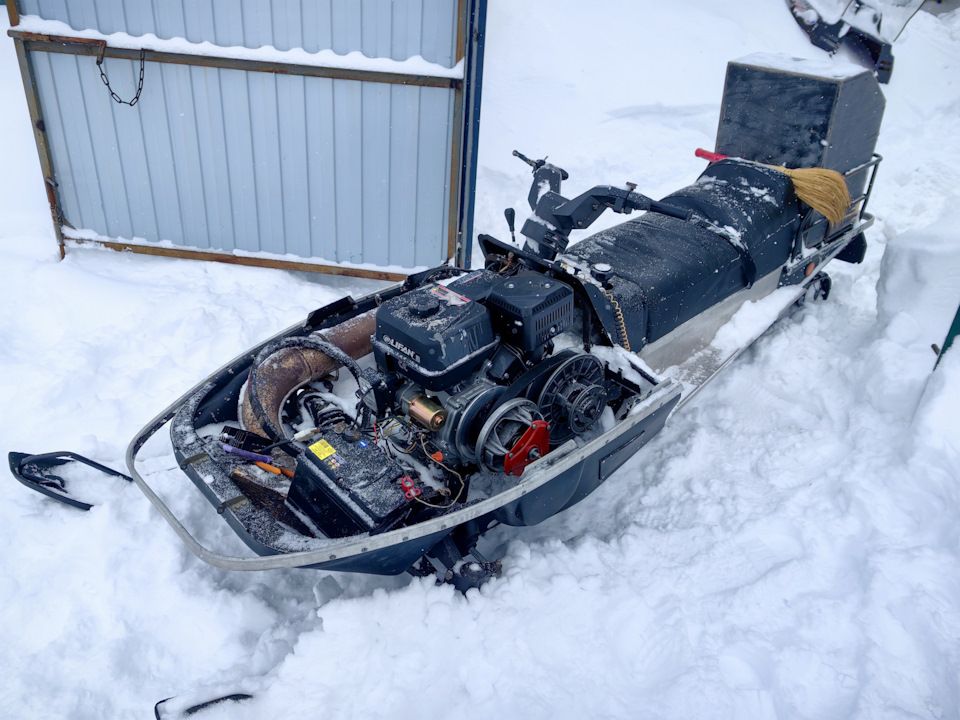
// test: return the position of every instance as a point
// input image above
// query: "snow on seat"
(666, 271)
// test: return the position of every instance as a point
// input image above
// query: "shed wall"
(376, 28)
(329, 169)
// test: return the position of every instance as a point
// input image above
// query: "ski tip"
(163, 711)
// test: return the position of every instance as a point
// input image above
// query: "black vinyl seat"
(666, 270)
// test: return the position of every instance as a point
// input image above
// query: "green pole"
(954, 331)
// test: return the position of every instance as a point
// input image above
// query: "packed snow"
(296, 56)
(829, 67)
(788, 547)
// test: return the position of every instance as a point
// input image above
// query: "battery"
(345, 486)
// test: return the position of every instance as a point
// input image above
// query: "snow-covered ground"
(788, 547)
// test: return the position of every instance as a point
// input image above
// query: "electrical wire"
(618, 315)
(507, 267)
(268, 448)
(396, 422)
(463, 485)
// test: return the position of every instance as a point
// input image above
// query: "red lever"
(532, 445)
(711, 156)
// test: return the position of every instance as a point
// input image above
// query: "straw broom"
(823, 190)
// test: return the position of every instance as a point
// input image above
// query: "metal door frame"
(466, 119)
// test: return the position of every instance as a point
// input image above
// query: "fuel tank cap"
(424, 304)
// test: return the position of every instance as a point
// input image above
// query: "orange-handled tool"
(273, 469)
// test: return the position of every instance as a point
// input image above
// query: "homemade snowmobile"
(388, 433)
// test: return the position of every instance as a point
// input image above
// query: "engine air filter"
(530, 309)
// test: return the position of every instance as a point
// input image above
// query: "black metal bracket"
(35, 471)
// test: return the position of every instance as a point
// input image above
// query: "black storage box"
(801, 113)
(346, 487)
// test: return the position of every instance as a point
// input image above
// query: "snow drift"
(787, 547)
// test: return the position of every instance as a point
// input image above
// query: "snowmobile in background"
(387, 434)
(868, 27)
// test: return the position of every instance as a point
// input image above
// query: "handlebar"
(537, 164)
(665, 209)
(532, 163)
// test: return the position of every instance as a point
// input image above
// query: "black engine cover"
(530, 309)
(433, 336)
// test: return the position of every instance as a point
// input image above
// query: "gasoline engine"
(467, 380)
(473, 362)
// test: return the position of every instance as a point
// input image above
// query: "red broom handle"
(711, 156)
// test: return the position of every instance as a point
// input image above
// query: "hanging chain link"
(103, 76)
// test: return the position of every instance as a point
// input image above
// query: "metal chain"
(103, 76)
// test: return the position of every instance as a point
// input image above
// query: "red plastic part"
(410, 490)
(711, 156)
(537, 437)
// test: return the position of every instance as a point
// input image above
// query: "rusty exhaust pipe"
(274, 377)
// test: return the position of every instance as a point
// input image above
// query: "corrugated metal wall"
(222, 159)
(378, 28)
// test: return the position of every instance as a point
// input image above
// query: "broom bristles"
(823, 190)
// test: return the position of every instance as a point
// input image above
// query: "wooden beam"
(454, 241)
(13, 13)
(242, 260)
(83, 46)
(40, 137)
